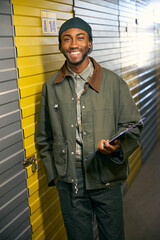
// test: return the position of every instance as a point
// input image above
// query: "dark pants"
(78, 211)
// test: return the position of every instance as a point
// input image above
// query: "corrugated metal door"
(38, 57)
(157, 58)
(147, 76)
(129, 66)
(15, 212)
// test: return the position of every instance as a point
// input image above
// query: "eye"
(66, 39)
(81, 38)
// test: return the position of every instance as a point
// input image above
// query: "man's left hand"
(106, 148)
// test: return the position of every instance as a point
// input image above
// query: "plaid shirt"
(80, 82)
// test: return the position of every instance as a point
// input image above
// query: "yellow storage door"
(38, 57)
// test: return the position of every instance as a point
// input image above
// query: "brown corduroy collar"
(95, 80)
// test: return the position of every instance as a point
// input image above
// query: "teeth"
(74, 53)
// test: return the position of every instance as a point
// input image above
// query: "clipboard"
(120, 134)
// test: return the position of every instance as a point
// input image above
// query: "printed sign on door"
(49, 22)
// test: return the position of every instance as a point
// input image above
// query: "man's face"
(75, 45)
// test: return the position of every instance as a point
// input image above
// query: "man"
(83, 106)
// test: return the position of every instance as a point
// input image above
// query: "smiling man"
(83, 106)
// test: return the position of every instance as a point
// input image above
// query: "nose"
(74, 43)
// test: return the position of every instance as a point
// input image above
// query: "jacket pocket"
(60, 158)
(111, 171)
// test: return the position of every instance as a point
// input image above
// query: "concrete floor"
(142, 201)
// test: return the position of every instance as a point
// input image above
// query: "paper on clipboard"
(120, 134)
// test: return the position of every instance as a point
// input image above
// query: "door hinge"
(31, 161)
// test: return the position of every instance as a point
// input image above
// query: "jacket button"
(83, 107)
(72, 125)
(72, 98)
(72, 153)
(63, 151)
(107, 184)
(84, 133)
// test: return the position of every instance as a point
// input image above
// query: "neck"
(80, 67)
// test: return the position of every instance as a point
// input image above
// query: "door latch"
(31, 160)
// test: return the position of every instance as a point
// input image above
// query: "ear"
(90, 45)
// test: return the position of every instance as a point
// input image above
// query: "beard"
(78, 62)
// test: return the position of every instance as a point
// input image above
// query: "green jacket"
(107, 109)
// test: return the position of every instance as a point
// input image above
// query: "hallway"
(142, 201)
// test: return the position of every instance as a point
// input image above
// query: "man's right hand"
(106, 148)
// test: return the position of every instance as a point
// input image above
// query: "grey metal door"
(15, 212)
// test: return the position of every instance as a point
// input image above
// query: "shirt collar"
(94, 81)
(86, 74)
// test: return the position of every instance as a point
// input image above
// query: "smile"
(75, 53)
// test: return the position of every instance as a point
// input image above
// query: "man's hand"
(104, 147)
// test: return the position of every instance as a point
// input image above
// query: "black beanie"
(76, 22)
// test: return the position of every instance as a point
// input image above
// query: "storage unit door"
(15, 212)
